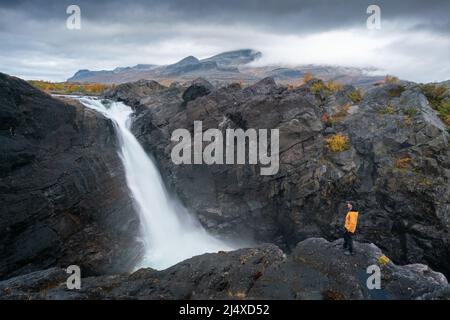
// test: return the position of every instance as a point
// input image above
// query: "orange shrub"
(403, 162)
(307, 77)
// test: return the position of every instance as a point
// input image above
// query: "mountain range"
(226, 67)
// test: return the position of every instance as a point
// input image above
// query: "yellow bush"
(317, 87)
(439, 98)
(389, 109)
(403, 162)
(333, 86)
(447, 120)
(388, 79)
(435, 93)
(327, 88)
(355, 96)
(338, 143)
(240, 295)
(425, 182)
(383, 260)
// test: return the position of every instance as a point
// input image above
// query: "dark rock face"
(198, 88)
(396, 165)
(131, 92)
(63, 194)
(316, 269)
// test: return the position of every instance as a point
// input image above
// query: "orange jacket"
(351, 220)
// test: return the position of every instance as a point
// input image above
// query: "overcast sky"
(413, 42)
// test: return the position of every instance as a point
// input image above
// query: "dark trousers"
(348, 241)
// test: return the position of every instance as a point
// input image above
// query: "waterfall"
(169, 232)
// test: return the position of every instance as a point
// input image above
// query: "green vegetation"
(333, 86)
(444, 112)
(439, 97)
(388, 110)
(409, 115)
(410, 112)
(425, 182)
(355, 96)
(396, 92)
(326, 88)
(70, 87)
(435, 93)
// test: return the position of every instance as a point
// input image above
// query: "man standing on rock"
(351, 220)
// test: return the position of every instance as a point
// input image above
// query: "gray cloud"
(275, 14)
(34, 42)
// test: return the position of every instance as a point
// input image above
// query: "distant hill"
(447, 83)
(225, 67)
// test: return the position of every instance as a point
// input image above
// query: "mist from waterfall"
(169, 232)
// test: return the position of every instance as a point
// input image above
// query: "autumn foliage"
(70, 87)
(338, 143)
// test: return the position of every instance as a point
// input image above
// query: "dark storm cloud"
(34, 40)
(281, 15)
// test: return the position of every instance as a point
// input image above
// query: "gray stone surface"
(315, 269)
(63, 194)
(404, 208)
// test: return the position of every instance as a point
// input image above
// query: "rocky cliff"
(315, 269)
(387, 151)
(65, 201)
(63, 194)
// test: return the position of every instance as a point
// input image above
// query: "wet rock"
(63, 194)
(396, 166)
(315, 269)
(200, 87)
(318, 269)
(132, 91)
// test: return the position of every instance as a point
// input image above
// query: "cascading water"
(170, 234)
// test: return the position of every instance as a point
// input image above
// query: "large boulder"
(130, 92)
(315, 269)
(199, 87)
(63, 193)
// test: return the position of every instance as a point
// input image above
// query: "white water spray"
(170, 234)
